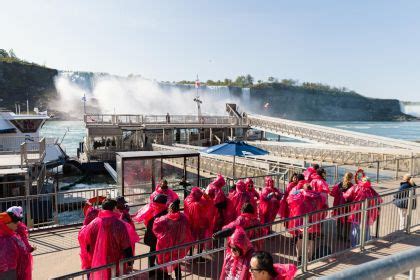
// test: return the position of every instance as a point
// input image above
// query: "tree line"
(249, 81)
(10, 56)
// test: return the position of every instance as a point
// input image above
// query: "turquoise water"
(401, 130)
(69, 133)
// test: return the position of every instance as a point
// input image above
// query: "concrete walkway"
(395, 243)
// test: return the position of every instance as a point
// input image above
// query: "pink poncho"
(85, 257)
(269, 202)
(200, 211)
(106, 237)
(172, 230)
(172, 196)
(14, 254)
(247, 220)
(237, 267)
(285, 271)
(241, 196)
(363, 190)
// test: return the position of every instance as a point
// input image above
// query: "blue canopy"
(235, 148)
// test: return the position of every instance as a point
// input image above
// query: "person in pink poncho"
(225, 212)
(108, 240)
(301, 202)
(319, 184)
(237, 256)
(241, 196)
(357, 193)
(251, 189)
(284, 206)
(269, 201)
(163, 188)
(172, 230)
(199, 209)
(15, 258)
(247, 219)
(263, 268)
(147, 215)
(22, 229)
(337, 192)
(85, 257)
(310, 172)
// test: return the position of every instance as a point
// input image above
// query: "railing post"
(377, 171)
(363, 224)
(412, 164)
(336, 173)
(56, 202)
(397, 168)
(305, 244)
(411, 198)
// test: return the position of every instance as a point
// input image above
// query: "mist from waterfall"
(410, 109)
(110, 94)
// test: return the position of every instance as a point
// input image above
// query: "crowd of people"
(109, 235)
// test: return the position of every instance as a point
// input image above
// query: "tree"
(249, 80)
(227, 82)
(3, 53)
(272, 80)
(289, 82)
(240, 81)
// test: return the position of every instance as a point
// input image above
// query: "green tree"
(272, 80)
(249, 80)
(289, 82)
(3, 53)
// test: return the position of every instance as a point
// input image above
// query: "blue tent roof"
(235, 148)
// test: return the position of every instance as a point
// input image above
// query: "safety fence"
(66, 208)
(108, 119)
(301, 240)
(408, 261)
(378, 171)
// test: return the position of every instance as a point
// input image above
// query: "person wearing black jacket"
(149, 237)
(401, 199)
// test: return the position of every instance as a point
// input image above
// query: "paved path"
(395, 243)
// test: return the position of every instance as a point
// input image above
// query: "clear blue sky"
(372, 47)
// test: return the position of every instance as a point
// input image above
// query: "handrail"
(363, 211)
(382, 268)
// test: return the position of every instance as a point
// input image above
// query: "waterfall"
(410, 108)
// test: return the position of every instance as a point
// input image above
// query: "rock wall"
(19, 82)
(300, 104)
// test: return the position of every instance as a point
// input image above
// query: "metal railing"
(388, 267)
(109, 119)
(300, 240)
(379, 171)
(54, 209)
(32, 152)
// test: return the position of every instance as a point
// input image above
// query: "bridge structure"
(107, 134)
(326, 135)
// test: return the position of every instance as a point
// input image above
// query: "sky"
(372, 47)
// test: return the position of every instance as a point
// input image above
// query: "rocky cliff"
(315, 105)
(19, 82)
(22, 81)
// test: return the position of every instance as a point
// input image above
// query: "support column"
(188, 136)
(211, 136)
(163, 136)
(231, 133)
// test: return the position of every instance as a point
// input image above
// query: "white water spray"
(137, 95)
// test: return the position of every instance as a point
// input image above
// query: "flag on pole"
(197, 83)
